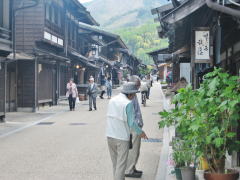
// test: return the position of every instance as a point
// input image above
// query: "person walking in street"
(92, 91)
(148, 85)
(144, 90)
(169, 78)
(103, 87)
(109, 87)
(134, 153)
(120, 120)
(71, 94)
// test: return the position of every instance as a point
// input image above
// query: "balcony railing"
(5, 34)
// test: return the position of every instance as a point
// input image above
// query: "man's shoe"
(90, 109)
(134, 175)
(137, 171)
(95, 109)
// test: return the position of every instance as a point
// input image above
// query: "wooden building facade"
(48, 53)
(5, 49)
(204, 33)
(106, 51)
(55, 40)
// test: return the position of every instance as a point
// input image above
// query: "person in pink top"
(71, 94)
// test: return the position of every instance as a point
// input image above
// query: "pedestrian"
(180, 84)
(103, 87)
(144, 89)
(134, 153)
(148, 85)
(92, 91)
(151, 79)
(120, 120)
(169, 78)
(72, 94)
(109, 87)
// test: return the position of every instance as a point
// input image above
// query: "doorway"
(11, 87)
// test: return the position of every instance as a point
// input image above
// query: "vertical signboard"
(202, 45)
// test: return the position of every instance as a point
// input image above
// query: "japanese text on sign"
(202, 45)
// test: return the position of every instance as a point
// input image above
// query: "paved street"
(72, 145)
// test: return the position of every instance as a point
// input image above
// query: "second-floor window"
(1, 13)
(4, 13)
(53, 14)
(72, 34)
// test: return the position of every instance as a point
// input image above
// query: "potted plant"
(183, 158)
(219, 113)
(188, 171)
(208, 117)
(178, 158)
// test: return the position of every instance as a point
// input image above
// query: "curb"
(163, 169)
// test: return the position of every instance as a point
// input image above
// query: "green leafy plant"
(208, 117)
(182, 153)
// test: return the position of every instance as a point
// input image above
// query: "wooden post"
(5, 87)
(35, 85)
(16, 86)
(192, 71)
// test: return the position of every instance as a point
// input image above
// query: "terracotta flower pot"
(231, 175)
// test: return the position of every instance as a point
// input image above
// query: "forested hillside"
(132, 20)
(142, 39)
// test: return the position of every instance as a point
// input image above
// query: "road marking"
(77, 124)
(29, 125)
(46, 123)
(152, 140)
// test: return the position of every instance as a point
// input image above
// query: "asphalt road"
(72, 146)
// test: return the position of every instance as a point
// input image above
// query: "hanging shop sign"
(202, 45)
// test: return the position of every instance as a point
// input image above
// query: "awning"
(162, 58)
(20, 56)
(84, 60)
(106, 61)
(184, 10)
(79, 56)
(45, 54)
(163, 8)
(158, 51)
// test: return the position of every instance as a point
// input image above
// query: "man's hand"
(143, 135)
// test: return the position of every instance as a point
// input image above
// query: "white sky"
(83, 1)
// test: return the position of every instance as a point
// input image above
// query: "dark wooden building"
(105, 51)
(5, 49)
(49, 52)
(204, 33)
(163, 61)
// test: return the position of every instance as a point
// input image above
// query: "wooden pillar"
(81, 79)
(35, 84)
(192, 72)
(5, 87)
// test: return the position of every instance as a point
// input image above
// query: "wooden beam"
(161, 9)
(183, 11)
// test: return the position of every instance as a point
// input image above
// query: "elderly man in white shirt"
(120, 121)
